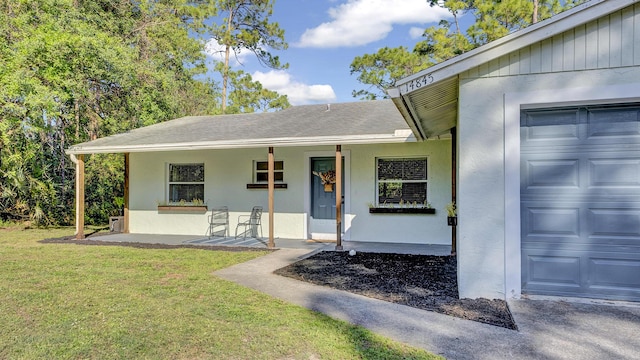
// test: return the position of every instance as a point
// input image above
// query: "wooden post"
(126, 193)
(271, 186)
(338, 197)
(454, 140)
(80, 197)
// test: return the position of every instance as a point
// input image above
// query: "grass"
(93, 302)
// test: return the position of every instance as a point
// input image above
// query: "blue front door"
(323, 201)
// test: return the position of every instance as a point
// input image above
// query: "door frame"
(346, 192)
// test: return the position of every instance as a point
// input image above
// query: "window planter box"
(266, 186)
(391, 210)
(186, 208)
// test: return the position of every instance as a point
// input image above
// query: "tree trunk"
(535, 11)
(225, 78)
(455, 18)
(227, 52)
(76, 108)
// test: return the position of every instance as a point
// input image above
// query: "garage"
(580, 201)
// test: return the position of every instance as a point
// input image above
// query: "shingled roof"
(306, 125)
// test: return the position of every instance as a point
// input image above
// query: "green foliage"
(246, 26)
(248, 96)
(442, 44)
(76, 70)
(382, 69)
(493, 20)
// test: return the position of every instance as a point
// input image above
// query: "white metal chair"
(219, 222)
(250, 223)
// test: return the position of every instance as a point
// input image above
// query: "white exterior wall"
(489, 165)
(402, 228)
(228, 171)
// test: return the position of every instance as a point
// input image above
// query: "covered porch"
(384, 186)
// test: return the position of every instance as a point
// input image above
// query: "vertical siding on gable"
(591, 56)
(483, 70)
(604, 39)
(568, 51)
(626, 37)
(609, 42)
(546, 51)
(580, 48)
(514, 62)
(615, 40)
(557, 53)
(494, 67)
(636, 37)
(536, 60)
(504, 65)
(525, 60)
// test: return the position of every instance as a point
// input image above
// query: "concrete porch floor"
(312, 246)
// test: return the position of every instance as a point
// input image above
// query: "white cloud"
(297, 92)
(359, 22)
(416, 32)
(216, 51)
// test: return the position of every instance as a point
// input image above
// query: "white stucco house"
(548, 154)
(536, 136)
(393, 188)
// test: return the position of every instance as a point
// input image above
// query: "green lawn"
(108, 302)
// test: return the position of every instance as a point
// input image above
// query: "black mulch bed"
(71, 240)
(426, 282)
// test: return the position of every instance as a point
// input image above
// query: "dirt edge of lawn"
(72, 240)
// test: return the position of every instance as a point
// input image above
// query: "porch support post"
(126, 193)
(80, 197)
(454, 144)
(271, 179)
(338, 197)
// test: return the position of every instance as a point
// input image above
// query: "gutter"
(398, 137)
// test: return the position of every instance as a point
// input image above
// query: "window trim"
(169, 182)
(255, 172)
(377, 181)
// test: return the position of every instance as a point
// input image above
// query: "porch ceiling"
(431, 110)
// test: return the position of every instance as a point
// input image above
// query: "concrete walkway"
(548, 329)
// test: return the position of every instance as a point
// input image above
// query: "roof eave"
(398, 137)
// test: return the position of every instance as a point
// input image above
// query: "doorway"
(322, 198)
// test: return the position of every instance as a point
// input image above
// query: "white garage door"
(580, 201)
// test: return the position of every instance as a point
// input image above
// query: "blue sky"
(324, 37)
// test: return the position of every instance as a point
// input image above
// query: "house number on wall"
(418, 83)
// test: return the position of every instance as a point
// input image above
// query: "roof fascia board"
(579, 15)
(405, 110)
(251, 143)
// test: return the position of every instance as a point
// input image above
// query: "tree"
(455, 7)
(442, 44)
(75, 70)
(382, 69)
(248, 96)
(246, 27)
(493, 19)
